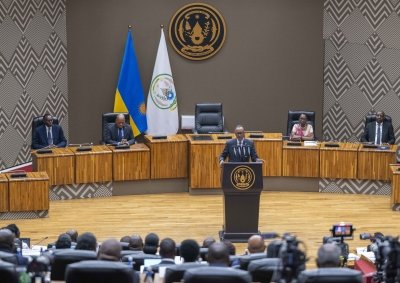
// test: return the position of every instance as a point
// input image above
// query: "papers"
(310, 143)
(360, 251)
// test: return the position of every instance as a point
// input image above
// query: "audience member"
(190, 250)
(151, 244)
(218, 254)
(328, 256)
(232, 248)
(7, 245)
(125, 239)
(86, 241)
(63, 242)
(73, 234)
(256, 244)
(207, 242)
(167, 251)
(136, 243)
(14, 228)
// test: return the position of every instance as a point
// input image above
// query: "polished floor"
(308, 216)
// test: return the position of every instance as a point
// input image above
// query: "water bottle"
(53, 246)
(246, 252)
(149, 275)
(18, 251)
(41, 250)
(130, 261)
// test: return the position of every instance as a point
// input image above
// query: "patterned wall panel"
(33, 72)
(77, 191)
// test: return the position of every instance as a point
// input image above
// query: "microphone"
(18, 173)
(80, 144)
(39, 242)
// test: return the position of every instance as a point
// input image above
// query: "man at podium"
(239, 149)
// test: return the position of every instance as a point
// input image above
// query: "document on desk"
(360, 251)
(310, 143)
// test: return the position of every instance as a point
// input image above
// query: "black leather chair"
(372, 118)
(8, 257)
(109, 118)
(129, 252)
(208, 118)
(265, 270)
(138, 259)
(38, 121)
(273, 249)
(330, 275)
(124, 246)
(203, 253)
(175, 273)
(293, 118)
(8, 273)
(68, 256)
(212, 274)
(244, 261)
(99, 271)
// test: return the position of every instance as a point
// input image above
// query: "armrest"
(194, 131)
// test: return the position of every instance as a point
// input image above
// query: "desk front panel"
(59, 165)
(300, 161)
(395, 198)
(168, 157)
(3, 193)
(29, 193)
(339, 162)
(93, 166)
(373, 164)
(132, 163)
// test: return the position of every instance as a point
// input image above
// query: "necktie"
(120, 135)
(240, 148)
(49, 137)
(378, 135)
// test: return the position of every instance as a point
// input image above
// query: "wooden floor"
(179, 216)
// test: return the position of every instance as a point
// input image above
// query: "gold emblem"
(242, 178)
(197, 31)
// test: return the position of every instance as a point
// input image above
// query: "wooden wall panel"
(3, 193)
(338, 162)
(395, 198)
(373, 164)
(300, 161)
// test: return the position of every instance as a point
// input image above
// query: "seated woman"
(302, 131)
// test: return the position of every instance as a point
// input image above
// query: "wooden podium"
(394, 170)
(242, 183)
(300, 161)
(3, 193)
(338, 162)
(373, 163)
(168, 156)
(30, 192)
(93, 166)
(59, 165)
(132, 163)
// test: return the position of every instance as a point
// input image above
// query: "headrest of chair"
(7, 272)
(372, 118)
(295, 114)
(69, 254)
(211, 274)
(130, 252)
(139, 256)
(110, 117)
(208, 108)
(331, 275)
(245, 260)
(265, 264)
(124, 245)
(8, 257)
(38, 121)
(175, 272)
(98, 271)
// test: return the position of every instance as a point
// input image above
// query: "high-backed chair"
(265, 270)
(138, 259)
(124, 246)
(203, 253)
(273, 249)
(208, 118)
(212, 274)
(372, 118)
(38, 121)
(8, 257)
(129, 252)
(330, 275)
(68, 256)
(175, 273)
(99, 271)
(8, 273)
(109, 118)
(244, 261)
(293, 118)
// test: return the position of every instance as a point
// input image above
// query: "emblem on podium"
(197, 31)
(242, 177)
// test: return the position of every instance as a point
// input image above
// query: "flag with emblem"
(129, 96)
(162, 105)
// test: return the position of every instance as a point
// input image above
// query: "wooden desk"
(93, 166)
(395, 199)
(338, 162)
(132, 163)
(168, 156)
(269, 148)
(59, 165)
(300, 161)
(3, 193)
(373, 164)
(29, 193)
(205, 170)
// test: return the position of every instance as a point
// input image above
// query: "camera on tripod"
(339, 232)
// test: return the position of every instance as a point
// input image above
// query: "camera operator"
(293, 259)
(328, 256)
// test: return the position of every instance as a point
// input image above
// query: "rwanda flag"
(129, 96)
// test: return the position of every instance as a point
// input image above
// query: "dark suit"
(387, 133)
(39, 137)
(237, 155)
(112, 134)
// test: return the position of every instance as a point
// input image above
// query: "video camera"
(339, 232)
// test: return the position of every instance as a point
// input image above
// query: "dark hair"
(86, 241)
(232, 248)
(45, 115)
(13, 228)
(151, 244)
(167, 248)
(190, 250)
(63, 242)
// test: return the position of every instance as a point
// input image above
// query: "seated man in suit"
(239, 149)
(379, 132)
(218, 254)
(48, 135)
(119, 133)
(328, 256)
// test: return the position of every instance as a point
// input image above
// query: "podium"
(242, 183)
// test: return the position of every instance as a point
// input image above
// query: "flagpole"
(161, 26)
(129, 27)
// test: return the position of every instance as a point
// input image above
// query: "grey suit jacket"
(112, 134)
(387, 133)
(236, 155)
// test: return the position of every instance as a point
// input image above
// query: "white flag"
(162, 104)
